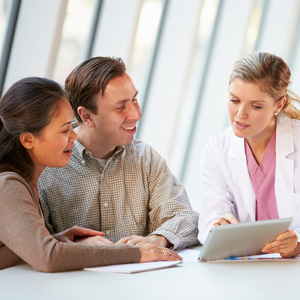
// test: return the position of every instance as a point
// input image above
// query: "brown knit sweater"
(23, 236)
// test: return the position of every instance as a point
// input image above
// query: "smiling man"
(114, 183)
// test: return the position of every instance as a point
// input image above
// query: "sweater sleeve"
(23, 232)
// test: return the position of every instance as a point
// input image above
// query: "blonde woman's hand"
(285, 244)
(227, 219)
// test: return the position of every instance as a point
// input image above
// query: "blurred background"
(179, 54)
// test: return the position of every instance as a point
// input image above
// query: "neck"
(37, 172)
(260, 142)
(87, 137)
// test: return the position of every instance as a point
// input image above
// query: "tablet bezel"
(242, 239)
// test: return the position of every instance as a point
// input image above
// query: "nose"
(73, 136)
(134, 112)
(242, 114)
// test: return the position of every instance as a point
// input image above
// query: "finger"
(231, 219)
(124, 240)
(223, 221)
(80, 231)
(216, 224)
(169, 255)
(135, 241)
(105, 240)
(288, 234)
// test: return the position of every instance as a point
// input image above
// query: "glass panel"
(253, 27)
(75, 36)
(144, 43)
(5, 6)
(190, 97)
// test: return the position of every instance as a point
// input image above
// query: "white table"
(220, 281)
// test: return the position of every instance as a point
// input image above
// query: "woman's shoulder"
(14, 180)
(220, 138)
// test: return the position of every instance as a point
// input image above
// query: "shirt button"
(107, 232)
(83, 161)
(105, 204)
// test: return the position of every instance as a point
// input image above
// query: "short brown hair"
(89, 78)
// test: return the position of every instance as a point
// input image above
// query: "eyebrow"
(67, 123)
(126, 100)
(250, 100)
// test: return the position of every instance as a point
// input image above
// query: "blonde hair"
(273, 76)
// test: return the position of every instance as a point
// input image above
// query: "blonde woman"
(251, 170)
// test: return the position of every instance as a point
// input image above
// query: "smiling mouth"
(128, 128)
(242, 124)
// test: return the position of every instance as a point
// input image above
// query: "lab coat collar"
(284, 135)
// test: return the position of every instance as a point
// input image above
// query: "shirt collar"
(81, 150)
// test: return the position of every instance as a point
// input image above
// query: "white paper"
(273, 257)
(135, 268)
(189, 256)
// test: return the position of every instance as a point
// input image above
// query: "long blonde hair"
(273, 76)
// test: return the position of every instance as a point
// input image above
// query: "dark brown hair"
(273, 76)
(89, 78)
(27, 107)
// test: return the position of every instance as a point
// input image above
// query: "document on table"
(187, 255)
(135, 268)
(273, 257)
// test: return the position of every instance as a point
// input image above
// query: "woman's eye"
(257, 107)
(65, 131)
(234, 101)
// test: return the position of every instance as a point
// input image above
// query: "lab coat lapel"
(284, 176)
(238, 165)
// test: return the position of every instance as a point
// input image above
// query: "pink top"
(263, 180)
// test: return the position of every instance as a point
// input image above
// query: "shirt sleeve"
(217, 199)
(45, 208)
(24, 233)
(170, 211)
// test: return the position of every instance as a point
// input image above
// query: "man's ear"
(85, 116)
(27, 140)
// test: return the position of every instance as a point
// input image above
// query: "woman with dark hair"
(251, 170)
(36, 132)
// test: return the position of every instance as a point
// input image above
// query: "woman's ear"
(85, 116)
(27, 140)
(281, 105)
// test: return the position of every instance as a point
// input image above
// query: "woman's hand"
(150, 252)
(285, 244)
(227, 219)
(95, 240)
(76, 232)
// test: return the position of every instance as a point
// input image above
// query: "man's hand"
(154, 239)
(150, 252)
(227, 219)
(74, 233)
(285, 244)
(95, 240)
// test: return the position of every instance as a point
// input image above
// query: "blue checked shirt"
(134, 194)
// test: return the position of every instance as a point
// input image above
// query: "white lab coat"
(227, 184)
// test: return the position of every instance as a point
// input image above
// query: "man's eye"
(121, 108)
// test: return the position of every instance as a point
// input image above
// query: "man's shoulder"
(140, 150)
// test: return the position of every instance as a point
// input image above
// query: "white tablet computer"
(242, 239)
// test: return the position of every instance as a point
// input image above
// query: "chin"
(239, 134)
